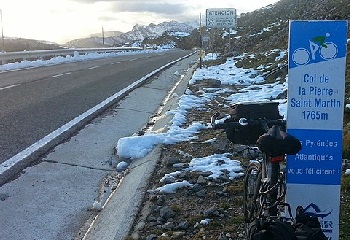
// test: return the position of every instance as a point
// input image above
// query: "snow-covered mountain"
(137, 34)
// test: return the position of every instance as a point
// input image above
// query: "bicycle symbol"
(326, 50)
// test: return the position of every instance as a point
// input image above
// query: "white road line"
(91, 68)
(10, 86)
(28, 68)
(58, 75)
(131, 60)
(62, 74)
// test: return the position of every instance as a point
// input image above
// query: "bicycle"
(326, 50)
(264, 182)
(265, 185)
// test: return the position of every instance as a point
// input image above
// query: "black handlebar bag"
(255, 110)
(246, 135)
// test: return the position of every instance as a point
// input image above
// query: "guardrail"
(42, 54)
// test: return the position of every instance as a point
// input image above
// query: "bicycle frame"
(270, 178)
(264, 184)
(273, 189)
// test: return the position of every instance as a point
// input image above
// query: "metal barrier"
(39, 54)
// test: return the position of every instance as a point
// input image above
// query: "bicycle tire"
(252, 182)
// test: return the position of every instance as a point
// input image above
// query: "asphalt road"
(35, 102)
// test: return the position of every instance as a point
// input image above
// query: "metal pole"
(103, 36)
(229, 40)
(201, 41)
(2, 33)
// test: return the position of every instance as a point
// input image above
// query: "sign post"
(316, 86)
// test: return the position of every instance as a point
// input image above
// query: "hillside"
(264, 34)
(267, 29)
(22, 44)
(275, 20)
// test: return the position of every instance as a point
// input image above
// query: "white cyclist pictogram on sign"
(318, 45)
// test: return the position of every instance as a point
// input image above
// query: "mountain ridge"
(137, 34)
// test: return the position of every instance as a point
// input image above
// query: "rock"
(152, 237)
(205, 174)
(161, 200)
(183, 225)
(212, 211)
(168, 179)
(166, 213)
(197, 188)
(121, 166)
(222, 236)
(178, 235)
(151, 218)
(170, 161)
(97, 206)
(168, 225)
(201, 193)
(201, 180)
(208, 83)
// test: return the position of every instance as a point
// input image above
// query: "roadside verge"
(118, 215)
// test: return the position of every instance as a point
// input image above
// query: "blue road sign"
(316, 87)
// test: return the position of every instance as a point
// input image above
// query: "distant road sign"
(221, 18)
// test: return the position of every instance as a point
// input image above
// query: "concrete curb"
(118, 215)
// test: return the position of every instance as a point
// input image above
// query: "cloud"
(156, 7)
(115, 1)
(151, 7)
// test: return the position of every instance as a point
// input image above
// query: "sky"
(63, 20)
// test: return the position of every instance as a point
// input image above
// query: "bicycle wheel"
(330, 51)
(252, 181)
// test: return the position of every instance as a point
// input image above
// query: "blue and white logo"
(316, 46)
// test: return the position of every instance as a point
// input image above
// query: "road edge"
(25, 158)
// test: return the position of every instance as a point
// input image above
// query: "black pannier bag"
(270, 230)
(305, 227)
(252, 110)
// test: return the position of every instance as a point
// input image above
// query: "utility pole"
(201, 41)
(2, 33)
(103, 36)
